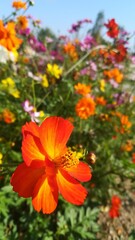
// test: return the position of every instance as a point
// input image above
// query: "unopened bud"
(31, 2)
(91, 157)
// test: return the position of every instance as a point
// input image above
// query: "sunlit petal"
(71, 189)
(54, 134)
(81, 172)
(45, 195)
(31, 128)
(32, 150)
(24, 179)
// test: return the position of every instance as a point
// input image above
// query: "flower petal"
(71, 190)
(54, 134)
(32, 128)
(45, 196)
(32, 150)
(81, 172)
(24, 179)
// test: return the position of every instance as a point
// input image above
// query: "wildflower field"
(67, 131)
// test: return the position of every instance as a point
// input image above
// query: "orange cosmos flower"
(8, 116)
(18, 5)
(22, 22)
(113, 29)
(85, 107)
(49, 166)
(70, 49)
(8, 37)
(125, 122)
(101, 101)
(115, 74)
(82, 89)
(2, 30)
(128, 147)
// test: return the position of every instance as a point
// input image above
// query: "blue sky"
(60, 14)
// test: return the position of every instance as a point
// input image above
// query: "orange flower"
(70, 49)
(115, 74)
(82, 89)
(19, 4)
(113, 29)
(101, 101)
(22, 22)
(2, 30)
(127, 147)
(125, 122)
(8, 37)
(8, 116)
(85, 107)
(49, 166)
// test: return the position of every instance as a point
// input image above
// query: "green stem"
(33, 91)
(45, 96)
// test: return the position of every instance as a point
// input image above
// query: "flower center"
(68, 160)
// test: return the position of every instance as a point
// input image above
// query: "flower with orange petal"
(2, 30)
(127, 147)
(101, 101)
(22, 22)
(85, 107)
(70, 50)
(8, 116)
(113, 29)
(82, 89)
(19, 5)
(8, 37)
(114, 74)
(49, 167)
(125, 124)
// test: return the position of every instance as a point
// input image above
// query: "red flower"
(49, 166)
(115, 206)
(113, 29)
(133, 157)
(114, 212)
(116, 201)
(121, 53)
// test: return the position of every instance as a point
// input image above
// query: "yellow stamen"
(68, 160)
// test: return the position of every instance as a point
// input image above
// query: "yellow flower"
(54, 70)
(41, 114)
(14, 92)
(1, 156)
(44, 81)
(8, 85)
(8, 82)
(102, 85)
